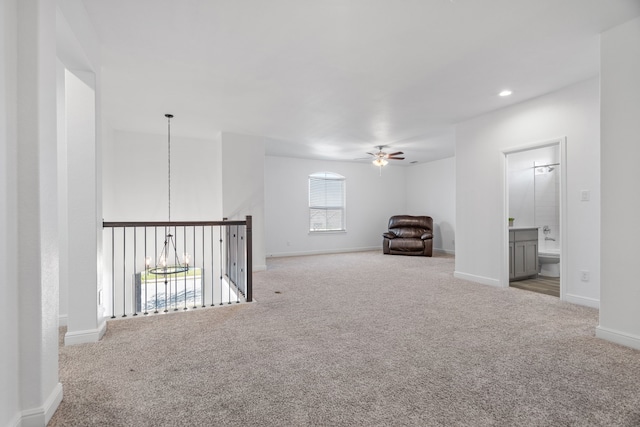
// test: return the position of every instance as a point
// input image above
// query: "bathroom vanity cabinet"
(523, 252)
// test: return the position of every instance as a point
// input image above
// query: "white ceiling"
(334, 78)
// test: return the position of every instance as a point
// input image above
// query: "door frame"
(561, 142)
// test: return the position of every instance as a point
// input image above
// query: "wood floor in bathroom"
(540, 284)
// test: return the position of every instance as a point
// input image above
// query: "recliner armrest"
(426, 236)
(389, 235)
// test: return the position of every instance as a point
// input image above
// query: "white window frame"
(327, 203)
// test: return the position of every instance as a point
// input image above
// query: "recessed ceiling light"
(505, 93)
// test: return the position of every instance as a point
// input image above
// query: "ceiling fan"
(381, 158)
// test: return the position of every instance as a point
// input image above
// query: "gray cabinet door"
(525, 259)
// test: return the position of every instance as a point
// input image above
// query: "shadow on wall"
(443, 237)
(249, 206)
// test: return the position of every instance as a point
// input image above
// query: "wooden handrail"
(115, 224)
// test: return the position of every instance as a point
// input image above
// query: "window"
(326, 202)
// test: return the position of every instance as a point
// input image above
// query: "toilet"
(549, 262)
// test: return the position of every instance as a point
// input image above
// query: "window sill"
(321, 232)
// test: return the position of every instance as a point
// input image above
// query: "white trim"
(52, 403)
(16, 421)
(62, 320)
(326, 251)
(478, 279)
(259, 267)
(618, 337)
(580, 300)
(86, 336)
(322, 232)
(40, 416)
(534, 145)
(564, 235)
(444, 251)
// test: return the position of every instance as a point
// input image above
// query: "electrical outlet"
(584, 275)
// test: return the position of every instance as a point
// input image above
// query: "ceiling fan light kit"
(380, 162)
(382, 159)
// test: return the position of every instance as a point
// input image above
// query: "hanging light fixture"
(168, 263)
(380, 162)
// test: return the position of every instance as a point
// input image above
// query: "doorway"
(535, 180)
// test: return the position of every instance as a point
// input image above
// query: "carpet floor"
(358, 339)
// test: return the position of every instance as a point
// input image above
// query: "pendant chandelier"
(168, 263)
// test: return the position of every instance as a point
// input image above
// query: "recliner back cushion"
(414, 225)
(409, 233)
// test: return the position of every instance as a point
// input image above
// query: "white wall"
(620, 151)
(371, 200)
(135, 177)
(63, 220)
(82, 193)
(431, 190)
(243, 186)
(30, 84)
(480, 184)
(9, 368)
(79, 172)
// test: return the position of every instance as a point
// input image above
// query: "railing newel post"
(194, 268)
(145, 274)
(220, 266)
(249, 259)
(213, 280)
(155, 250)
(113, 274)
(175, 282)
(133, 284)
(124, 271)
(186, 273)
(202, 270)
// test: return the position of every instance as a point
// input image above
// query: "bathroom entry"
(534, 221)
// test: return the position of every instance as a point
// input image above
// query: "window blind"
(326, 202)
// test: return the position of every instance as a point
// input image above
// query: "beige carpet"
(359, 339)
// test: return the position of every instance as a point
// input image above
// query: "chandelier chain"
(169, 116)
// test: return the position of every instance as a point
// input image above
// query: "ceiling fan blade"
(371, 154)
(395, 154)
(395, 158)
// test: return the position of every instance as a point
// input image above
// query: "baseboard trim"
(16, 421)
(325, 251)
(259, 267)
(478, 279)
(62, 320)
(580, 300)
(38, 417)
(444, 251)
(86, 336)
(618, 337)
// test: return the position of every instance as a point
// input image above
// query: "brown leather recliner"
(409, 235)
